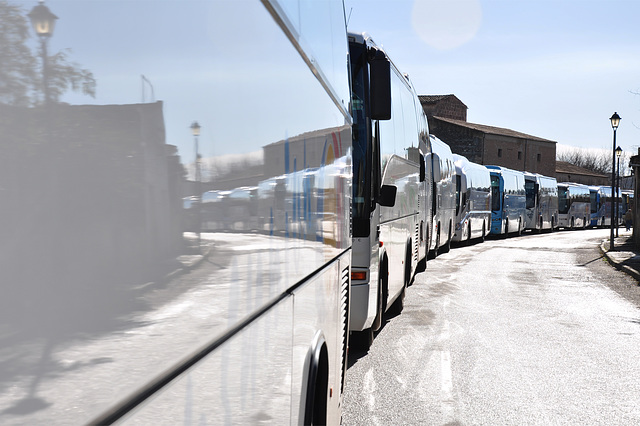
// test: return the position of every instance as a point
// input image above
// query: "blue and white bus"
(389, 147)
(542, 202)
(574, 205)
(473, 200)
(443, 206)
(508, 201)
(600, 206)
(132, 313)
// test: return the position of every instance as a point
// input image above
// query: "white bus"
(390, 137)
(542, 202)
(508, 201)
(443, 171)
(111, 310)
(473, 200)
(574, 205)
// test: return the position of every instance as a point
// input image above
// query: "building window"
(499, 152)
(519, 155)
(538, 158)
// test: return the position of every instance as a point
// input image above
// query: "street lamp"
(43, 22)
(618, 154)
(615, 122)
(195, 130)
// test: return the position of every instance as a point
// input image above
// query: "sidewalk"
(624, 256)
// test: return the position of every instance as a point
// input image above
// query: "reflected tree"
(20, 73)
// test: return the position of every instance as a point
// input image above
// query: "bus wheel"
(573, 224)
(377, 321)
(519, 227)
(484, 230)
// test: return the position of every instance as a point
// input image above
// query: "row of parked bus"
(352, 213)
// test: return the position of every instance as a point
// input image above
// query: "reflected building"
(96, 185)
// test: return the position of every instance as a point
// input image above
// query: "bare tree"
(20, 76)
(598, 161)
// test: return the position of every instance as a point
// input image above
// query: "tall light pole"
(195, 130)
(615, 122)
(43, 22)
(618, 154)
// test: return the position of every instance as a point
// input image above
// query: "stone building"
(443, 106)
(483, 144)
(95, 184)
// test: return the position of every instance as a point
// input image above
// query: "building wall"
(462, 140)
(447, 107)
(583, 179)
(520, 154)
(499, 150)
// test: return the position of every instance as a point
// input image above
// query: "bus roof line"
(287, 27)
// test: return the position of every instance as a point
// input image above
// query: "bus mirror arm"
(387, 196)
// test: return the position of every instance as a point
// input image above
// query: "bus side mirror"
(380, 85)
(387, 196)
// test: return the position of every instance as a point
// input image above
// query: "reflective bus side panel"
(191, 225)
(574, 205)
(388, 232)
(473, 200)
(444, 193)
(542, 202)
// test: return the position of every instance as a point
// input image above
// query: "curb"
(624, 268)
(187, 267)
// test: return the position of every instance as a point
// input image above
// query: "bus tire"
(573, 224)
(484, 230)
(519, 227)
(377, 321)
(398, 305)
(315, 411)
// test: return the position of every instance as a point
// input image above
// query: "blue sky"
(557, 69)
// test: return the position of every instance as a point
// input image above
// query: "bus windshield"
(563, 200)
(361, 167)
(530, 189)
(495, 193)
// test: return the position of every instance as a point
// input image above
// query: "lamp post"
(618, 154)
(195, 130)
(615, 122)
(43, 22)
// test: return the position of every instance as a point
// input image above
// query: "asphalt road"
(528, 330)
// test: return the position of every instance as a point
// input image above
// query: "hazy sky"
(557, 69)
